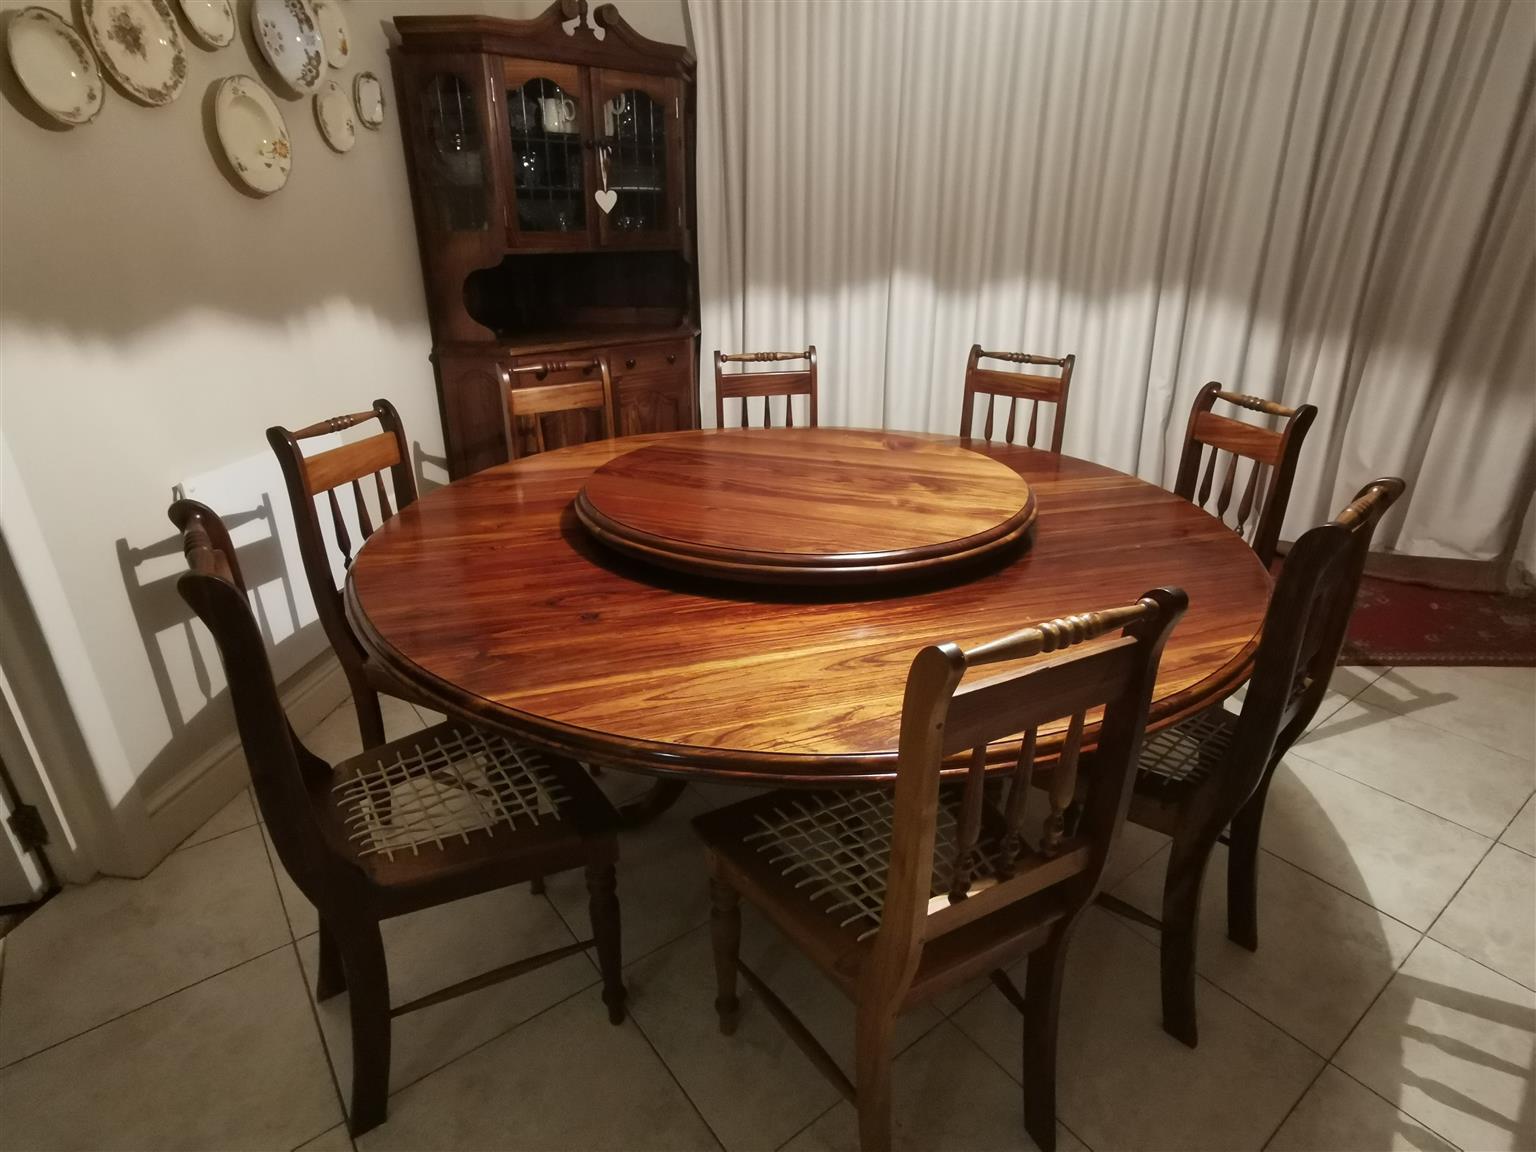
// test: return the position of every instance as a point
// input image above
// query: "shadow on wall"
(198, 716)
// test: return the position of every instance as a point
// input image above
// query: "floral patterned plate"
(289, 36)
(368, 95)
(253, 133)
(54, 66)
(138, 42)
(212, 21)
(333, 112)
(335, 33)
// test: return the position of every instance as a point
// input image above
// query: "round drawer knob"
(672, 358)
(630, 362)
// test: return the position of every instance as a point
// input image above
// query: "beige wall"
(154, 320)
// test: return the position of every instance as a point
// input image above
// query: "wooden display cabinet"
(552, 174)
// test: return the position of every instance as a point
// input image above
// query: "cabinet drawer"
(666, 358)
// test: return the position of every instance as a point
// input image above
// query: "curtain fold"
(1330, 203)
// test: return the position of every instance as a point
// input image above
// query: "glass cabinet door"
(639, 131)
(454, 168)
(546, 118)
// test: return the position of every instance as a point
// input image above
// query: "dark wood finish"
(605, 658)
(1272, 456)
(314, 832)
(1016, 386)
(533, 397)
(747, 386)
(317, 477)
(1303, 634)
(654, 390)
(517, 255)
(868, 506)
(997, 892)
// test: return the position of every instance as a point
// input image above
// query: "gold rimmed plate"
(139, 46)
(55, 66)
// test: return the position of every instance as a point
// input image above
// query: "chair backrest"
(993, 863)
(283, 771)
(592, 393)
(308, 478)
(1035, 388)
(1272, 454)
(1304, 632)
(744, 386)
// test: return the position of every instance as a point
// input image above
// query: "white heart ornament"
(606, 198)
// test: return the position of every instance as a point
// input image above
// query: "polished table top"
(808, 506)
(489, 596)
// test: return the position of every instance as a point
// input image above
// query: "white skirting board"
(184, 802)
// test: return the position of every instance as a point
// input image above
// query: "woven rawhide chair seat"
(836, 849)
(1182, 756)
(452, 790)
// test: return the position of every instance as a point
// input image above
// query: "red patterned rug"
(1414, 624)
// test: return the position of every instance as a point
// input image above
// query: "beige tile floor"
(1392, 1002)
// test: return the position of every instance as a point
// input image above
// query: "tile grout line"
(1382, 792)
(671, 1075)
(1427, 723)
(1391, 1103)
(811, 1123)
(146, 1004)
(969, 1039)
(1232, 996)
(183, 846)
(314, 1008)
(1423, 937)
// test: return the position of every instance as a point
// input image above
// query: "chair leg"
(362, 955)
(1243, 869)
(876, 1029)
(603, 908)
(1042, 1008)
(370, 716)
(331, 979)
(1188, 855)
(725, 933)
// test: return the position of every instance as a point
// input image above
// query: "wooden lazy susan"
(806, 506)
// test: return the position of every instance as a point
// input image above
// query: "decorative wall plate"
(253, 133)
(335, 33)
(138, 43)
(212, 21)
(289, 36)
(333, 112)
(368, 95)
(55, 66)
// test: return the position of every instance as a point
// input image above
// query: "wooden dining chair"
(1272, 455)
(1213, 770)
(745, 386)
(898, 896)
(1016, 386)
(310, 479)
(449, 812)
(537, 402)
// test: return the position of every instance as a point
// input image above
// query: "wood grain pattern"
(868, 506)
(490, 596)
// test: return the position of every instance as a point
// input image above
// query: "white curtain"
(1328, 202)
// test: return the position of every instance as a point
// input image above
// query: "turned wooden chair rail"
(446, 813)
(359, 466)
(537, 401)
(1271, 455)
(1213, 770)
(746, 386)
(899, 897)
(1015, 386)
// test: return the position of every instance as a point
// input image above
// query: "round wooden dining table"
(492, 597)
